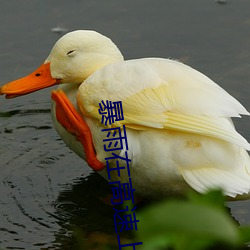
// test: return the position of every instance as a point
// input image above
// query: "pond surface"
(47, 192)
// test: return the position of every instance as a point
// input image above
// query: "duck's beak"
(41, 78)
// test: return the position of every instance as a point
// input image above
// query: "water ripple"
(26, 112)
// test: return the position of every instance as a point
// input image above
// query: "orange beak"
(41, 78)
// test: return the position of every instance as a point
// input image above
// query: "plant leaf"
(183, 220)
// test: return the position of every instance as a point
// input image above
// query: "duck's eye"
(70, 52)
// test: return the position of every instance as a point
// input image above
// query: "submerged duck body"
(178, 121)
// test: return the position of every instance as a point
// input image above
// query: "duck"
(177, 121)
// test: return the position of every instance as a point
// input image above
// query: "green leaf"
(245, 234)
(181, 222)
(212, 197)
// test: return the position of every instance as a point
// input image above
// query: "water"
(47, 192)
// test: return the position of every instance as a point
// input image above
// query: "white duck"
(178, 124)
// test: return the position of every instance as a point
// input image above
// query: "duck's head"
(73, 58)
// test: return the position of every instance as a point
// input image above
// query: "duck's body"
(178, 121)
(142, 166)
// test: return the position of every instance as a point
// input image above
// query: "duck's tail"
(234, 182)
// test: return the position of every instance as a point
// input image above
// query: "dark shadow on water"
(86, 217)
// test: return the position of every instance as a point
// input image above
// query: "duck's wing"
(164, 94)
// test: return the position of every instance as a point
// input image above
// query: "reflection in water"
(85, 214)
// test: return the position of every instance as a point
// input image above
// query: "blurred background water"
(46, 191)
